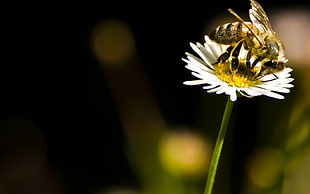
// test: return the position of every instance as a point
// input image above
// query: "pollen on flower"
(241, 78)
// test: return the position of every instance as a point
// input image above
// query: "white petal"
(287, 85)
(233, 96)
(197, 61)
(198, 66)
(278, 81)
(287, 70)
(204, 75)
(232, 92)
(209, 86)
(274, 95)
(275, 88)
(268, 78)
(194, 82)
(257, 90)
(218, 90)
(251, 92)
(208, 57)
(215, 48)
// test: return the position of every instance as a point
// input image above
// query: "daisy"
(219, 78)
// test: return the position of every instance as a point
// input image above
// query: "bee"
(257, 36)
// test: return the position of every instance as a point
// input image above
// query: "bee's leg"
(248, 57)
(234, 56)
(234, 64)
(223, 57)
(245, 94)
(257, 67)
(275, 76)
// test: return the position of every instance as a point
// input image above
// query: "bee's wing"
(259, 17)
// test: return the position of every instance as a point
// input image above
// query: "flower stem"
(218, 147)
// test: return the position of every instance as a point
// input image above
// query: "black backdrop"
(49, 75)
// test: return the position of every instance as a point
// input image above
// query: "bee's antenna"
(243, 22)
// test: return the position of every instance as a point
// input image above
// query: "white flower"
(219, 78)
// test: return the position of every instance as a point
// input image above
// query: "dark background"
(49, 75)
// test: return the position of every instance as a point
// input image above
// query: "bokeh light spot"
(112, 42)
(185, 153)
(265, 167)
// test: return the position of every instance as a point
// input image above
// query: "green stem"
(218, 147)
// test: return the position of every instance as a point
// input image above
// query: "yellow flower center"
(243, 77)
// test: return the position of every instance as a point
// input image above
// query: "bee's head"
(273, 64)
(271, 67)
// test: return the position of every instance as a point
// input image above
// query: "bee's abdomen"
(230, 33)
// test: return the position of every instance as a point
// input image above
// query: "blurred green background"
(92, 102)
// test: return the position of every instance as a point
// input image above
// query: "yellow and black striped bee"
(257, 36)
